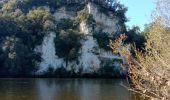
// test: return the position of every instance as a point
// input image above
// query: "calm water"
(63, 89)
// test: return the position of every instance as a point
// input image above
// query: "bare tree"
(149, 69)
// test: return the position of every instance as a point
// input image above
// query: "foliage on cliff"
(20, 33)
(25, 23)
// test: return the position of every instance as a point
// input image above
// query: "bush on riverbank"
(149, 69)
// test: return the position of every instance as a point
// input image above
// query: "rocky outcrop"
(108, 23)
(49, 59)
(91, 58)
(63, 13)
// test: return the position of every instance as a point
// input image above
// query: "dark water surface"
(64, 89)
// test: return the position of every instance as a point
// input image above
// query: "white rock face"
(107, 23)
(63, 13)
(84, 28)
(89, 60)
(90, 53)
(108, 54)
(47, 49)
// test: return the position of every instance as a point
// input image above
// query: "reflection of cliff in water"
(64, 89)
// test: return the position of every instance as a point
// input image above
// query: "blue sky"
(139, 11)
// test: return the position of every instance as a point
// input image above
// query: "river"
(64, 89)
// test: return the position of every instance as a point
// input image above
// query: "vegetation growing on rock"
(25, 23)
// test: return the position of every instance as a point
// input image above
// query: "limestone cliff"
(91, 57)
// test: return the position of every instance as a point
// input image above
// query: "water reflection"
(63, 89)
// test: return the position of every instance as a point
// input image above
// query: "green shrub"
(102, 40)
(67, 45)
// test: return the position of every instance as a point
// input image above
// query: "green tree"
(17, 58)
(135, 36)
(68, 45)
